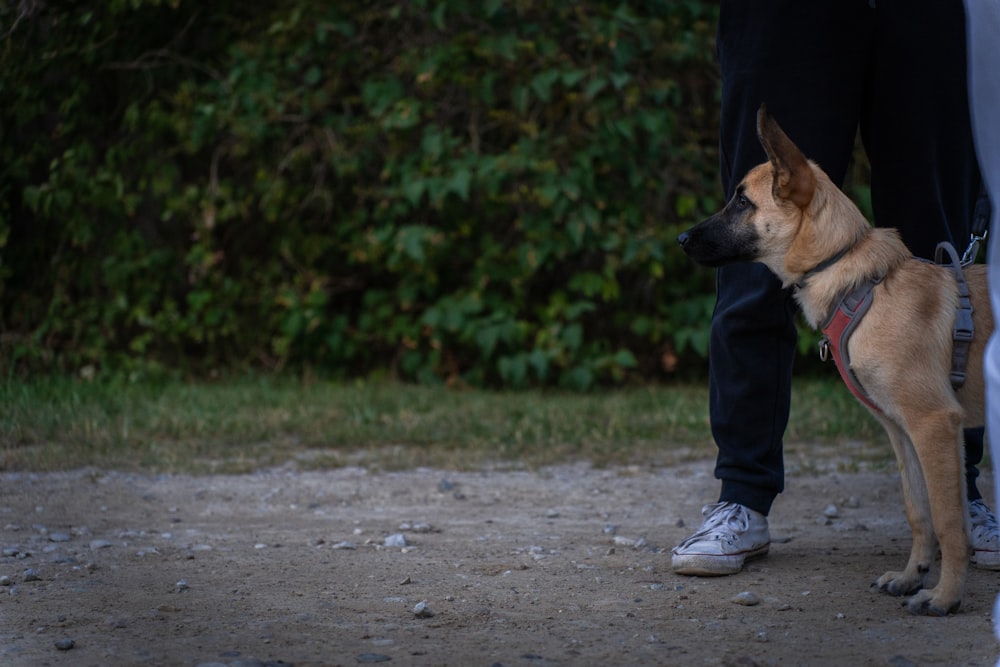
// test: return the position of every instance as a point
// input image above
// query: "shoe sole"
(986, 560)
(714, 565)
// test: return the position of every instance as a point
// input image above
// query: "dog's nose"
(683, 239)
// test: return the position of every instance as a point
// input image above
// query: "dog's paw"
(899, 583)
(926, 603)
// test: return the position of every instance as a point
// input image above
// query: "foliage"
(446, 191)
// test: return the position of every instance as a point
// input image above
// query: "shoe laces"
(983, 519)
(723, 521)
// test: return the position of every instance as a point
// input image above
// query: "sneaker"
(985, 536)
(730, 534)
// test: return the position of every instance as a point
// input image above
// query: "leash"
(980, 219)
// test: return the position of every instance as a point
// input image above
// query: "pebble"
(65, 644)
(372, 657)
(31, 574)
(181, 586)
(346, 544)
(5, 581)
(99, 544)
(746, 598)
(418, 527)
(831, 511)
(635, 543)
(421, 610)
(396, 540)
(60, 537)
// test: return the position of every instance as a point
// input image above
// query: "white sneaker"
(730, 534)
(985, 536)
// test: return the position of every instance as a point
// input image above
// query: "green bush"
(447, 191)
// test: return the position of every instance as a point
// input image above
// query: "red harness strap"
(837, 331)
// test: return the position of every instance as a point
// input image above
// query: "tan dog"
(790, 216)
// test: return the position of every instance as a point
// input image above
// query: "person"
(895, 70)
(983, 21)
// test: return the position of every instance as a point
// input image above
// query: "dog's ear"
(793, 177)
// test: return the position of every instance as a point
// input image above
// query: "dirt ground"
(564, 566)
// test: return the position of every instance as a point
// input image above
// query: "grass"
(249, 423)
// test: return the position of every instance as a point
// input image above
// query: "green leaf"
(487, 339)
(411, 240)
(595, 86)
(313, 76)
(413, 189)
(572, 77)
(437, 17)
(459, 183)
(625, 358)
(542, 83)
(578, 378)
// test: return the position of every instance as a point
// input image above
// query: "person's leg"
(803, 60)
(806, 62)
(925, 175)
(916, 126)
(918, 135)
(984, 94)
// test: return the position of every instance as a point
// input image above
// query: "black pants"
(826, 68)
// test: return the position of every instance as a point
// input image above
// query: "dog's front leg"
(918, 515)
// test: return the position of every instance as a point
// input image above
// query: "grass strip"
(248, 423)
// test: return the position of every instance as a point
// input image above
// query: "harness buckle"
(964, 330)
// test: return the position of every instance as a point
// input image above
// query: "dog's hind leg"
(937, 441)
(918, 515)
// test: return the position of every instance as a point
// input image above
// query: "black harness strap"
(964, 328)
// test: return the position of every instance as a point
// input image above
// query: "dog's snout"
(683, 239)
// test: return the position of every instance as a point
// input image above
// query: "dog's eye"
(742, 202)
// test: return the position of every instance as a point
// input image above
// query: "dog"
(789, 215)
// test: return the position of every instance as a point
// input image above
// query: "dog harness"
(964, 328)
(837, 331)
(852, 307)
